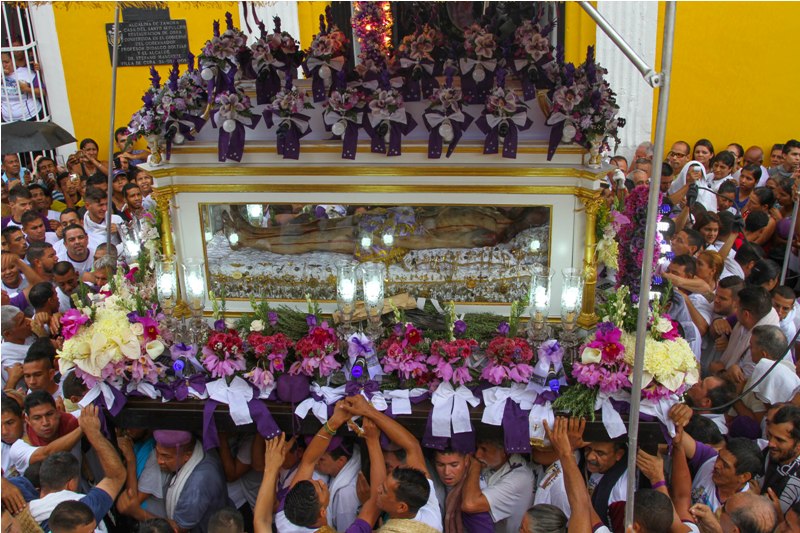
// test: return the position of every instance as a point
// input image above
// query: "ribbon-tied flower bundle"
(220, 54)
(504, 116)
(292, 125)
(271, 352)
(343, 115)
(388, 119)
(276, 57)
(533, 55)
(232, 111)
(445, 119)
(181, 105)
(325, 57)
(480, 63)
(416, 57)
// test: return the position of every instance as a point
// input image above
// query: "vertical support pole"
(111, 139)
(163, 197)
(588, 318)
(647, 267)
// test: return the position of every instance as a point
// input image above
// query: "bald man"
(755, 156)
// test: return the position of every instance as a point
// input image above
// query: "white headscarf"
(680, 181)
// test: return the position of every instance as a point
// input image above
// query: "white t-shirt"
(781, 385)
(17, 457)
(508, 491)
(430, 513)
(704, 490)
(98, 231)
(731, 268)
(81, 267)
(23, 284)
(551, 490)
(708, 198)
(17, 105)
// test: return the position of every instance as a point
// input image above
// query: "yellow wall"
(579, 33)
(733, 76)
(308, 16)
(87, 66)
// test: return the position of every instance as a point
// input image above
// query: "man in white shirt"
(753, 308)
(767, 345)
(94, 221)
(78, 251)
(17, 337)
(508, 479)
(783, 301)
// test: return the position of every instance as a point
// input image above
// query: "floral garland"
(632, 238)
(372, 26)
(480, 63)
(292, 125)
(504, 116)
(608, 223)
(325, 56)
(445, 119)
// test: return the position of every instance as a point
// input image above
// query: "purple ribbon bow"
(116, 408)
(187, 130)
(435, 140)
(492, 143)
(178, 390)
(289, 133)
(396, 132)
(231, 145)
(352, 388)
(419, 83)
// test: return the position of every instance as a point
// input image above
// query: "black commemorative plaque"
(149, 42)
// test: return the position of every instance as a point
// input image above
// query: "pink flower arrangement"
(316, 353)
(272, 349)
(602, 363)
(479, 43)
(404, 355)
(509, 360)
(223, 354)
(71, 323)
(450, 360)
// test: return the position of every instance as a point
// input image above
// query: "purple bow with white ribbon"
(179, 389)
(231, 144)
(350, 135)
(445, 128)
(186, 125)
(369, 388)
(420, 81)
(477, 78)
(508, 128)
(257, 413)
(291, 129)
(321, 72)
(395, 126)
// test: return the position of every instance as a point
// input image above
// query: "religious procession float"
(424, 227)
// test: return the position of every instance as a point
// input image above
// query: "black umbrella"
(33, 136)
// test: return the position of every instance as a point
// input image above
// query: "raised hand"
(275, 452)
(652, 466)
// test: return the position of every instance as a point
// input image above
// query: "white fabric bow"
(519, 64)
(434, 119)
(332, 117)
(660, 410)
(611, 419)
(302, 124)
(372, 85)
(398, 116)
(401, 399)
(450, 407)
(468, 64)
(408, 63)
(144, 388)
(235, 396)
(336, 63)
(517, 118)
(329, 395)
(100, 388)
(495, 398)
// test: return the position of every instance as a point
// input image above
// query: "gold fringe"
(140, 4)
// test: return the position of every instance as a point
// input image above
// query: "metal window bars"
(23, 93)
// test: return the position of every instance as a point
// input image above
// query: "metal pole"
(789, 240)
(652, 77)
(111, 140)
(647, 267)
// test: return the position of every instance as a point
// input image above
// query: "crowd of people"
(732, 465)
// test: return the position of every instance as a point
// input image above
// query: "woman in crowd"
(761, 199)
(708, 226)
(89, 163)
(703, 152)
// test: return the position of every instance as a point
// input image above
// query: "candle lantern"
(195, 286)
(372, 278)
(539, 300)
(346, 278)
(571, 297)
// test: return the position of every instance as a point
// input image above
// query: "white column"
(44, 26)
(637, 23)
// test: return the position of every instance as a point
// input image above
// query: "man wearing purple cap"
(196, 485)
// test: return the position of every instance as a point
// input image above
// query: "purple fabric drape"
(265, 424)
(396, 132)
(231, 145)
(492, 142)
(435, 141)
